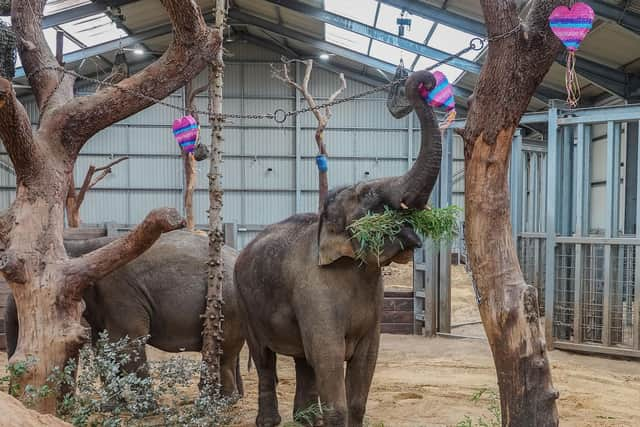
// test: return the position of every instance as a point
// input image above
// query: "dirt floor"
(429, 382)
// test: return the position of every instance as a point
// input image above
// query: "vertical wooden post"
(60, 47)
(213, 329)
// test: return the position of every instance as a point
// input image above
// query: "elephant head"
(409, 191)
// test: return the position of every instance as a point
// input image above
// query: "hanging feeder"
(441, 96)
(571, 25)
(186, 131)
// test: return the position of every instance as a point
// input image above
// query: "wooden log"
(397, 317)
(398, 304)
(397, 328)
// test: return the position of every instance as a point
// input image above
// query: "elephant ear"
(333, 244)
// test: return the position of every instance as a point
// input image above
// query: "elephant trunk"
(416, 185)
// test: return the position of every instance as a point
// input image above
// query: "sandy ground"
(429, 382)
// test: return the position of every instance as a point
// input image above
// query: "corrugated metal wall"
(263, 179)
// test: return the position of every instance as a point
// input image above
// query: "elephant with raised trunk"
(304, 294)
(162, 294)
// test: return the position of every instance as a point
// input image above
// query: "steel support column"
(551, 196)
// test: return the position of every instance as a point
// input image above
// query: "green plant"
(16, 371)
(373, 229)
(97, 390)
(495, 416)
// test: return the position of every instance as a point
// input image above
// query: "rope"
(279, 115)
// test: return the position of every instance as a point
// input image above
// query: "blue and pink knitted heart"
(571, 25)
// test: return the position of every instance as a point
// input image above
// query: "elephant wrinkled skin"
(303, 294)
(162, 294)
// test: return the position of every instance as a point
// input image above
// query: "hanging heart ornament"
(440, 96)
(571, 25)
(186, 130)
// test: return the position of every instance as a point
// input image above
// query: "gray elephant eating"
(303, 294)
(162, 294)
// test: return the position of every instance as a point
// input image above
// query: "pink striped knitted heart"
(185, 130)
(571, 25)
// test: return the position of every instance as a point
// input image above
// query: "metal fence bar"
(636, 294)
(444, 282)
(515, 184)
(609, 232)
(552, 166)
(580, 163)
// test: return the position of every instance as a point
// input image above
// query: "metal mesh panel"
(593, 293)
(622, 295)
(564, 291)
(531, 253)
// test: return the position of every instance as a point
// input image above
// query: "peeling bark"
(46, 284)
(514, 68)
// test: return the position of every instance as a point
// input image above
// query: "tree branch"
(334, 95)
(193, 47)
(81, 272)
(15, 128)
(88, 184)
(26, 17)
(12, 267)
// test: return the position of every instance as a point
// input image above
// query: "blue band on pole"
(321, 162)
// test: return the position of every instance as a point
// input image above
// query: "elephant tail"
(239, 383)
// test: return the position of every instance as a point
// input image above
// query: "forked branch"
(37, 58)
(194, 46)
(80, 272)
(89, 182)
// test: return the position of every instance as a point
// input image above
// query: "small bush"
(495, 417)
(106, 395)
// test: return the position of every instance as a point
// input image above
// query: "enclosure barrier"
(575, 206)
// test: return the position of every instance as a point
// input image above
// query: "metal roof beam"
(71, 14)
(441, 16)
(377, 34)
(351, 55)
(620, 16)
(107, 47)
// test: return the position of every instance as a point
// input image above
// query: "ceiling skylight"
(94, 30)
(387, 21)
(346, 38)
(391, 54)
(451, 40)
(55, 6)
(359, 10)
(67, 45)
(452, 73)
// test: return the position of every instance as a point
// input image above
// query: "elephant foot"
(271, 420)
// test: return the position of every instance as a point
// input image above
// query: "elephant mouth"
(408, 238)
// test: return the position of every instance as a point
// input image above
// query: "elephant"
(303, 292)
(161, 294)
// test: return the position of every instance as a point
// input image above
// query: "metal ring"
(279, 116)
(476, 43)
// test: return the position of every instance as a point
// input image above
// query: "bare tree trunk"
(71, 205)
(189, 161)
(213, 319)
(46, 284)
(515, 66)
(323, 119)
(323, 179)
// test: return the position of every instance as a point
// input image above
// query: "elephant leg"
(228, 364)
(265, 361)
(360, 370)
(328, 365)
(306, 391)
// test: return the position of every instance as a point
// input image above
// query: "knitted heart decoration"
(571, 25)
(440, 96)
(186, 130)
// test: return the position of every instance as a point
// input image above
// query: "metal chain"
(279, 115)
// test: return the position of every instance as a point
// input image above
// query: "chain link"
(279, 115)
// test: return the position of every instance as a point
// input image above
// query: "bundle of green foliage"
(96, 392)
(371, 231)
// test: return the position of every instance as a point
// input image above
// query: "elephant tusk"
(403, 206)
(427, 207)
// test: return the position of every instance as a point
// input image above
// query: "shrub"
(104, 394)
(495, 417)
